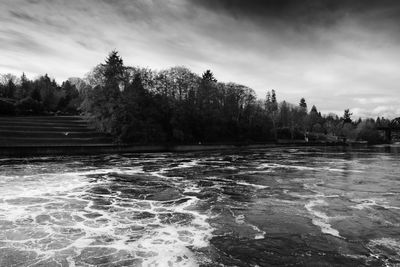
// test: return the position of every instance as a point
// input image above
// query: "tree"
(69, 98)
(29, 106)
(284, 114)
(366, 131)
(5, 78)
(207, 89)
(209, 76)
(314, 110)
(95, 77)
(35, 94)
(303, 104)
(46, 91)
(272, 107)
(103, 101)
(10, 89)
(273, 101)
(24, 88)
(347, 116)
(113, 73)
(207, 107)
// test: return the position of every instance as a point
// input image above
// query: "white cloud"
(390, 112)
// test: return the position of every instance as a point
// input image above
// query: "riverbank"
(26, 136)
(90, 149)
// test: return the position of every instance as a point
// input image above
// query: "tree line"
(139, 105)
(41, 96)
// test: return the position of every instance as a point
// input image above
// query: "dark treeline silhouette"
(43, 95)
(139, 105)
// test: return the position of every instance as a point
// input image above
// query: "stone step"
(46, 124)
(44, 128)
(49, 134)
(44, 118)
(50, 131)
(15, 141)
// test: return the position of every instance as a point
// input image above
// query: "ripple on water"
(255, 207)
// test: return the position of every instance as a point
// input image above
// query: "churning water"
(304, 206)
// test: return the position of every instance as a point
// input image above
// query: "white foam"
(240, 219)
(161, 171)
(376, 250)
(192, 189)
(189, 164)
(161, 244)
(298, 167)
(370, 202)
(260, 234)
(393, 244)
(252, 185)
(363, 203)
(320, 219)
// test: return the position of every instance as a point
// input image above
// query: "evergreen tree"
(347, 116)
(209, 77)
(208, 106)
(104, 100)
(314, 110)
(272, 107)
(113, 70)
(378, 121)
(10, 89)
(35, 94)
(268, 97)
(303, 104)
(284, 114)
(274, 101)
(24, 88)
(271, 102)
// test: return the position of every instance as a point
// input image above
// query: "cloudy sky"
(337, 54)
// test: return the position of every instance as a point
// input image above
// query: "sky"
(337, 54)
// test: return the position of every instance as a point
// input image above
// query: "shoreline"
(32, 151)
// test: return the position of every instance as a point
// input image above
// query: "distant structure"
(392, 130)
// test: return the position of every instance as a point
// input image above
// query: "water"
(297, 206)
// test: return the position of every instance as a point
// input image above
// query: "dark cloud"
(304, 12)
(51, 20)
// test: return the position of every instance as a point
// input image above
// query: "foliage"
(140, 105)
(303, 104)
(366, 131)
(40, 96)
(29, 106)
(347, 116)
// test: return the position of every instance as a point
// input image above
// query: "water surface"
(295, 206)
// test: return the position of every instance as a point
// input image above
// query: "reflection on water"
(304, 206)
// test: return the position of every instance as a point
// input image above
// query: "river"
(268, 207)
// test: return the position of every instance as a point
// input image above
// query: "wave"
(75, 220)
(297, 167)
(320, 219)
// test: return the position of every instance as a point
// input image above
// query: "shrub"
(287, 133)
(6, 108)
(29, 106)
(368, 132)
